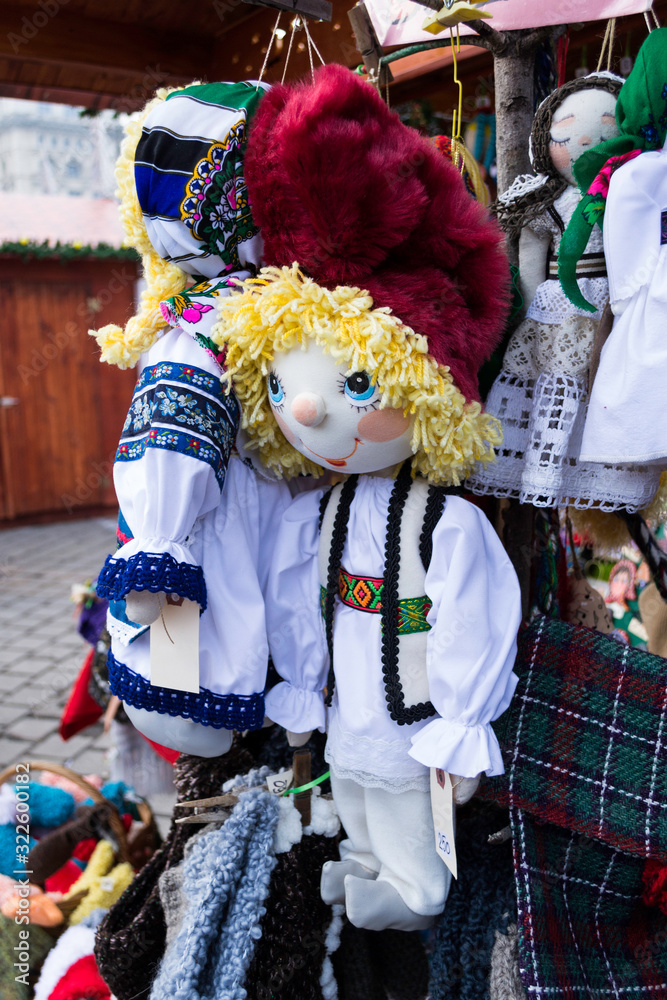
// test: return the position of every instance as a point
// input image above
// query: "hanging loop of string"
(608, 45)
(268, 48)
(458, 112)
(311, 46)
(296, 26)
(656, 22)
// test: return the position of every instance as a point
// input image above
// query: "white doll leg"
(349, 798)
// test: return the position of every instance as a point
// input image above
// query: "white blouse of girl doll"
(333, 416)
(584, 119)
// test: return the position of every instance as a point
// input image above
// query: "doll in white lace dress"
(541, 394)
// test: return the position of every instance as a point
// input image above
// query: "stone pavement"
(41, 652)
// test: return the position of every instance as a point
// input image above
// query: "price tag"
(279, 783)
(175, 646)
(442, 804)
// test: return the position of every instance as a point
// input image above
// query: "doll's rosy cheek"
(284, 428)
(383, 425)
(560, 156)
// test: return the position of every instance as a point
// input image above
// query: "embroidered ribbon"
(365, 594)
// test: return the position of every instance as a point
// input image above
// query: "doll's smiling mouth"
(337, 461)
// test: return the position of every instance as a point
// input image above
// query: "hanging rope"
(268, 48)
(296, 24)
(458, 112)
(608, 44)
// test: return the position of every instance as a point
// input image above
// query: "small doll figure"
(392, 608)
(624, 182)
(196, 521)
(541, 394)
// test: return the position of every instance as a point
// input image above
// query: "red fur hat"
(339, 185)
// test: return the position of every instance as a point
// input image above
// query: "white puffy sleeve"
(294, 620)
(633, 218)
(474, 621)
(169, 469)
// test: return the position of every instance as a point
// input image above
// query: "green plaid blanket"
(585, 738)
(583, 929)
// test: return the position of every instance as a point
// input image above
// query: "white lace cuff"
(457, 748)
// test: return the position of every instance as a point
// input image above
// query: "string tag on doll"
(442, 804)
(175, 646)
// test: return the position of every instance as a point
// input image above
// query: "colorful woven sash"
(364, 593)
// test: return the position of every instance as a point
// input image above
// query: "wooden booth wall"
(62, 410)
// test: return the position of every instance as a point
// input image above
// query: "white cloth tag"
(279, 783)
(175, 646)
(442, 804)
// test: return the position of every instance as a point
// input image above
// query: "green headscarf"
(641, 115)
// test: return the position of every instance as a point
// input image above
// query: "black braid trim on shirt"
(435, 504)
(338, 539)
(398, 710)
(324, 503)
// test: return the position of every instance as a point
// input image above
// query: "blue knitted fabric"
(121, 795)
(10, 860)
(154, 572)
(226, 878)
(48, 806)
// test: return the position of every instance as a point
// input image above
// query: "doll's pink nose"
(308, 408)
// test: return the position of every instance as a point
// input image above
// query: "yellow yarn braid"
(282, 309)
(124, 347)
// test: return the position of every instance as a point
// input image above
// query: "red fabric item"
(81, 710)
(84, 849)
(654, 878)
(338, 184)
(82, 981)
(171, 756)
(64, 878)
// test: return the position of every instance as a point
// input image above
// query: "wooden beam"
(67, 38)
(319, 10)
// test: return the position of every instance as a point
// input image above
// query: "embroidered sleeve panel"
(185, 409)
(155, 572)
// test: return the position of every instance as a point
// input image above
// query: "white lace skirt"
(538, 462)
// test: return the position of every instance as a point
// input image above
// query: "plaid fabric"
(583, 929)
(585, 739)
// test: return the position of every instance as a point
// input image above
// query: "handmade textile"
(480, 907)
(641, 115)
(131, 939)
(226, 879)
(17, 984)
(583, 740)
(189, 177)
(367, 745)
(625, 421)
(583, 929)
(185, 543)
(377, 965)
(541, 399)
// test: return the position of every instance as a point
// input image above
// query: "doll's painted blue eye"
(276, 394)
(359, 388)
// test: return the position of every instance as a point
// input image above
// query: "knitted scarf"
(226, 879)
(641, 115)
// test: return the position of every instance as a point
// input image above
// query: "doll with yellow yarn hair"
(392, 608)
(196, 520)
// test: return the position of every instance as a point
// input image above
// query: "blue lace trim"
(219, 711)
(154, 572)
(185, 409)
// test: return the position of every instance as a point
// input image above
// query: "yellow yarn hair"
(282, 309)
(124, 347)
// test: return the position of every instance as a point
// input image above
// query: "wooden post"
(301, 763)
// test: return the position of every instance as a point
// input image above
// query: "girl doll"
(541, 394)
(392, 608)
(625, 184)
(196, 521)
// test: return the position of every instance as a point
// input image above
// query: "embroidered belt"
(364, 593)
(591, 265)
